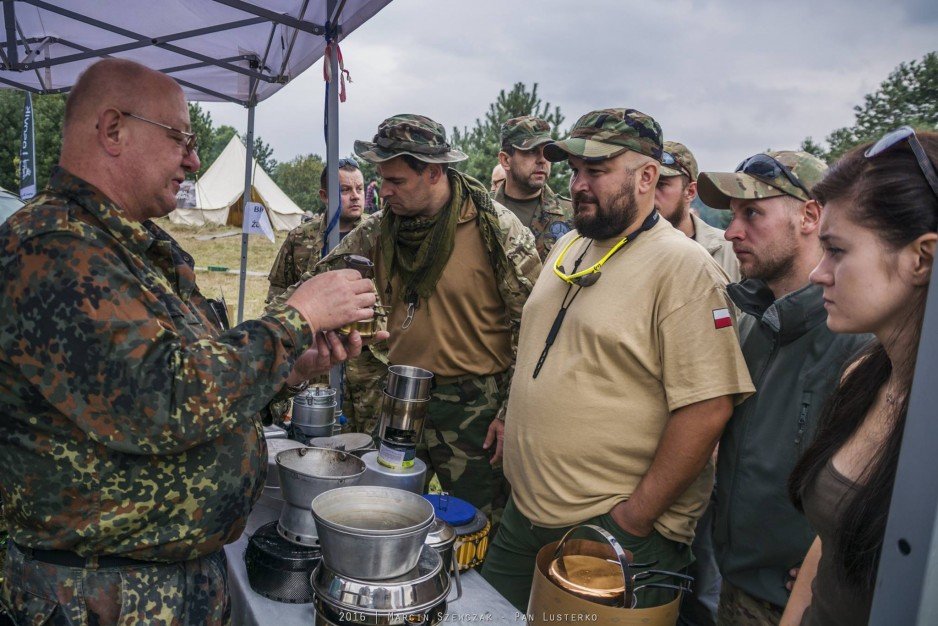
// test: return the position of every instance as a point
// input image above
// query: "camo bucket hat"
(525, 133)
(678, 161)
(416, 135)
(607, 133)
(763, 175)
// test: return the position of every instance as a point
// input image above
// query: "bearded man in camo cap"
(525, 191)
(677, 188)
(456, 270)
(628, 368)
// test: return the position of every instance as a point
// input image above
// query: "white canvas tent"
(219, 194)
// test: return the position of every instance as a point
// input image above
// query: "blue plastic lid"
(451, 510)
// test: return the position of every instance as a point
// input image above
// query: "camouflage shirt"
(299, 253)
(130, 419)
(552, 219)
(515, 242)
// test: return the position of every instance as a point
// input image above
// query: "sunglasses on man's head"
(669, 159)
(768, 169)
(348, 163)
(894, 138)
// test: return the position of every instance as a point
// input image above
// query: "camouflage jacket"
(299, 253)
(515, 242)
(130, 419)
(552, 219)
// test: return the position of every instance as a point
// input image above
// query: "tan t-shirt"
(634, 347)
(462, 329)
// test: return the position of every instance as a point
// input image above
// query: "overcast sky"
(727, 77)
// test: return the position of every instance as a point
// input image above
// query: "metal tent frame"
(230, 50)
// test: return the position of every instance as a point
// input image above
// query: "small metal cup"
(407, 382)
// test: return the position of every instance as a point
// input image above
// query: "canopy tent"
(218, 50)
(219, 194)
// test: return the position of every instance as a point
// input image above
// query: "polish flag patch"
(722, 318)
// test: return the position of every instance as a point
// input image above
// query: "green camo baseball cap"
(606, 133)
(416, 135)
(760, 177)
(525, 133)
(684, 162)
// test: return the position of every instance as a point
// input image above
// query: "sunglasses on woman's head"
(894, 138)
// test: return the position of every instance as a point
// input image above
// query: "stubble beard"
(608, 221)
(526, 186)
(677, 217)
(771, 267)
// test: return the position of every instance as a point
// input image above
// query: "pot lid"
(589, 577)
(441, 534)
(451, 510)
(345, 441)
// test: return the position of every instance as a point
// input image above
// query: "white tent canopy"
(216, 49)
(224, 50)
(219, 193)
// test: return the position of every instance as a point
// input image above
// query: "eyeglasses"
(188, 139)
(669, 159)
(348, 163)
(767, 169)
(907, 133)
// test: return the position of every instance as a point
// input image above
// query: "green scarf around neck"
(418, 248)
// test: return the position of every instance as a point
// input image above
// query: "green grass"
(226, 252)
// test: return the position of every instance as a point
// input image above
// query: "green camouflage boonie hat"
(685, 163)
(416, 135)
(606, 133)
(525, 133)
(753, 180)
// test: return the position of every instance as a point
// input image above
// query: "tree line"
(909, 95)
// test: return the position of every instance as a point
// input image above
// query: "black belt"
(67, 558)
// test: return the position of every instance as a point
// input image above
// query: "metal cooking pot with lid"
(601, 571)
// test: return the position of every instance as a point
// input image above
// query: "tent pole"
(332, 160)
(248, 151)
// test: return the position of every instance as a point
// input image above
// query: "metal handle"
(660, 572)
(680, 588)
(454, 562)
(613, 543)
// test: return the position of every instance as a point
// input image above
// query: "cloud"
(728, 78)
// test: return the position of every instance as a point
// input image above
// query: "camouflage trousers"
(458, 420)
(739, 608)
(189, 593)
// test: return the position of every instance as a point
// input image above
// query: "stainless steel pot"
(406, 415)
(314, 407)
(319, 430)
(408, 382)
(371, 533)
(423, 591)
(306, 473)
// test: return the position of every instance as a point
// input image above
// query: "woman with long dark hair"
(878, 232)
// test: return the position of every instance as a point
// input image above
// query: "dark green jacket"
(795, 363)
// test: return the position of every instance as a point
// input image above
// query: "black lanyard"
(648, 224)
